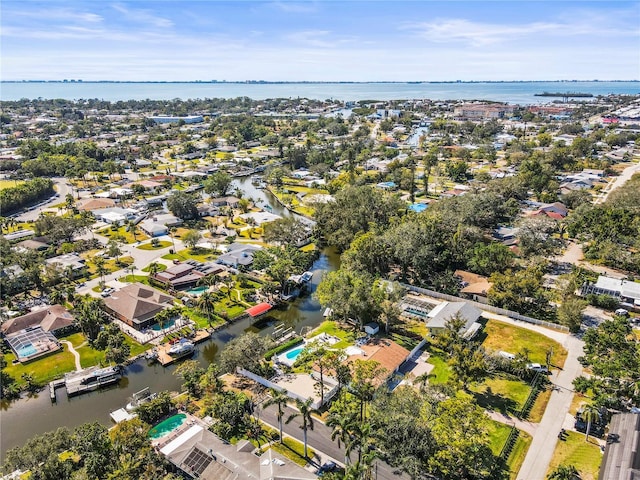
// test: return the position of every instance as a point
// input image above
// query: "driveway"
(573, 255)
(626, 174)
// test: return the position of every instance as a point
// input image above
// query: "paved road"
(538, 458)
(62, 188)
(626, 174)
(574, 256)
(320, 440)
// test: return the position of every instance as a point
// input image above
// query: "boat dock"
(53, 386)
(163, 350)
(89, 379)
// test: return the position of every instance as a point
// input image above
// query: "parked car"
(326, 468)
(536, 367)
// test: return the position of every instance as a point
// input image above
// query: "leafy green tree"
(218, 183)
(366, 376)
(89, 316)
(150, 412)
(285, 231)
(191, 373)
(570, 312)
(246, 351)
(349, 294)
(183, 205)
(91, 442)
(520, 291)
(489, 258)
(191, 238)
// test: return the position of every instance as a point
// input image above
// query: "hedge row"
(281, 348)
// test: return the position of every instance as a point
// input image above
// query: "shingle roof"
(50, 318)
(447, 310)
(137, 302)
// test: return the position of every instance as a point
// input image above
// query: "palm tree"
(132, 228)
(304, 412)
(56, 296)
(590, 413)
(342, 425)
(280, 399)
(564, 472)
(255, 430)
(154, 268)
(206, 303)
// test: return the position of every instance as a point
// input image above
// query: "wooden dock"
(53, 386)
(165, 359)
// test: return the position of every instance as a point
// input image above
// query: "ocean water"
(512, 92)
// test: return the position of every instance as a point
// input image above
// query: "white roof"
(121, 415)
(626, 288)
(182, 438)
(261, 217)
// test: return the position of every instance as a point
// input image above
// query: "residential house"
(91, 204)
(51, 318)
(506, 235)
(445, 311)
(627, 291)
(238, 255)
(474, 287)
(36, 244)
(387, 353)
(71, 262)
(137, 304)
(621, 460)
(115, 215)
(187, 274)
(228, 201)
(159, 224)
(198, 453)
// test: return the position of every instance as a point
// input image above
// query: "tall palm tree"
(154, 268)
(590, 413)
(56, 296)
(280, 399)
(304, 412)
(206, 303)
(564, 472)
(342, 425)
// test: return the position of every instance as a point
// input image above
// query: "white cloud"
(142, 16)
(295, 7)
(65, 14)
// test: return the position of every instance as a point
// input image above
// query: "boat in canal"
(91, 379)
(182, 348)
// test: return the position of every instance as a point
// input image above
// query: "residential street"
(320, 440)
(62, 188)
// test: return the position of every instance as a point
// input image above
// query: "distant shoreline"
(310, 82)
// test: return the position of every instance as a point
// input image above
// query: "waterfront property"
(389, 355)
(137, 304)
(198, 453)
(238, 255)
(187, 274)
(445, 311)
(167, 426)
(51, 318)
(32, 343)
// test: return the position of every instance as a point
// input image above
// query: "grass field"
(509, 338)
(122, 231)
(9, 183)
(202, 255)
(498, 434)
(441, 371)
(135, 279)
(585, 456)
(148, 246)
(333, 328)
(503, 393)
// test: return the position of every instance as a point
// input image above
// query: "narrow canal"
(27, 417)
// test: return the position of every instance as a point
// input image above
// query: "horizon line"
(263, 82)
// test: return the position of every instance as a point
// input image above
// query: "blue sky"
(319, 40)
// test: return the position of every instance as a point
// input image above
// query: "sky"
(319, 40)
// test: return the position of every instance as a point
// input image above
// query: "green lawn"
(201, 255)
(293, 450)
(161, 267)
(135, 278)
(539, 406)
(333, 328)
(586, 457)
(150, 246)
(122, 231)
(44, 369)
(498, 433)
(201, 320)
(503, 393)
(509, 338)
(441, 371)
(10, 183)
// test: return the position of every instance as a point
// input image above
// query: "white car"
(536, 367)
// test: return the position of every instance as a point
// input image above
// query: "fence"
(263, 381)
(489, 308)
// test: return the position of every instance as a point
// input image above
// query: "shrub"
(281, 348)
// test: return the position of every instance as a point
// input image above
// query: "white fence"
(489, 308)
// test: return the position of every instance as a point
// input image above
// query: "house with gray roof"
(198, 453)
(621, 459)
(238, 255)
(51, 318)
(627, 291)
(438, 317)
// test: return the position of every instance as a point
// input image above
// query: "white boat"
(182, 348)
(139, 398)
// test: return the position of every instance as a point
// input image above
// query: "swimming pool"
(27, 351)
(167, 426)
(293, 354)
(198, 290)
(169, 324)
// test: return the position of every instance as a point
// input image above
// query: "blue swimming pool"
(27, 351)
(293, 354)
(167, 426)
(198, 290)
(169, 324)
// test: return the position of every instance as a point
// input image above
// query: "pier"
(163, 350)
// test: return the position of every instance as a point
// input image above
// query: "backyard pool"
(169, 324)
(27, 351)
(198, 290)
(167, 426)
(293, 354)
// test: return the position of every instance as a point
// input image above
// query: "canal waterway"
(22, 419)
